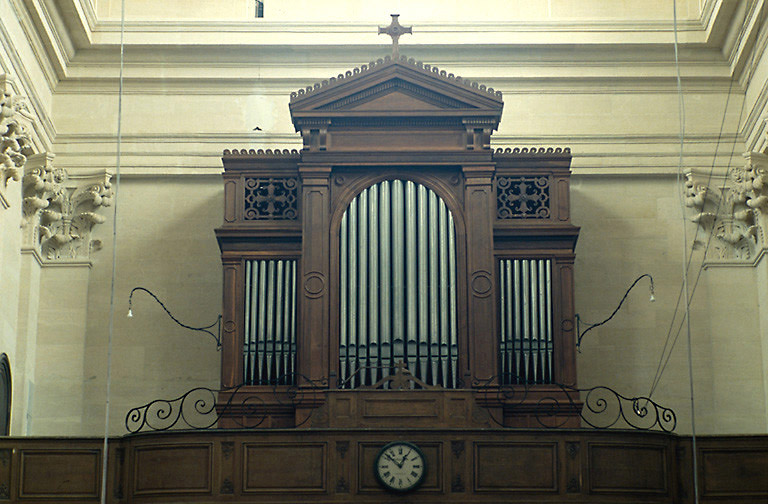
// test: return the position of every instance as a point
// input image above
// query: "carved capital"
(732, 208)
(60, 211)
(15, 144)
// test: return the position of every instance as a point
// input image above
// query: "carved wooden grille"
(522, 197)
(271, 198)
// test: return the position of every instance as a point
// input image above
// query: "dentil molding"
(731, 209)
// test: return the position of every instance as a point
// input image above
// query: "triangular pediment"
(396, 95)
(390, 87)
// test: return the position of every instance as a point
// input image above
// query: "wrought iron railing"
(599, 407)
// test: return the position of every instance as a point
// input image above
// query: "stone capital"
(15, 144)
(60, 211)
(731, 207)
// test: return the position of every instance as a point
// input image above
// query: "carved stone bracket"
(15, 144)
(59, 211)
(732, 207)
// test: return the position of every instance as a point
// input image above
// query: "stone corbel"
(60, 211)
(731, 207)
(15, 144)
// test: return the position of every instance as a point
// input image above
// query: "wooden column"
(565, 348)
(232, 324)
(479, 206)
(314, 297)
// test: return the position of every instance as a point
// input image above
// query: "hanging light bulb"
(130, 313)
(653, 298)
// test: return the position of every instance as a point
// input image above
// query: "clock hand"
(399, 465)
(405, 457)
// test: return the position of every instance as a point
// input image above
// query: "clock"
(400, 466)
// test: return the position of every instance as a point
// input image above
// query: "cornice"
(67, 26)
(26, 86)
(51, 29)
(44, 37)
(282, 87)
(741, 52)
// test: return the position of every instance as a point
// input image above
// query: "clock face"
(400, 466)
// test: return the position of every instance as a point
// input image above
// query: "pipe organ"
(397, 284)
(397, 241)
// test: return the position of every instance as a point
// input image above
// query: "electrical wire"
(598, 324)
(105, 450)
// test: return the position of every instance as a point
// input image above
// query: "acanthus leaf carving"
(15, 143)
(733, 208)
(60, 211)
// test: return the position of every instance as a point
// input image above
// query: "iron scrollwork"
(197, 409)
(602, 408)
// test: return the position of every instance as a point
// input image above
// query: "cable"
(667, 355)
(111, 332)
(592, 326)
(204, 329)
(685, 256)
(660, 368)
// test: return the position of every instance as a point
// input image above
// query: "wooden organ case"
(397, 271)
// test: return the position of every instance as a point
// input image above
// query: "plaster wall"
(10, 264)
(166, 244)
(197, 84)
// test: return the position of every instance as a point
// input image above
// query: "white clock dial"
(400, 466)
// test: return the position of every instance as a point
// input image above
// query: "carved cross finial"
(394, 30)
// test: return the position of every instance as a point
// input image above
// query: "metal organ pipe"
(398, 285)
(269, 349)
(525, 344)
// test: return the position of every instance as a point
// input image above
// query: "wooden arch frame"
(439, 180)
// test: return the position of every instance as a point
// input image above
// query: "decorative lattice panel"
(522, 197)
(271, 198)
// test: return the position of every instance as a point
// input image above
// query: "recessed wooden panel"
(285, 468)
(399, 407)
(736, 472)
(457, 409)
(5, 473)
(74, 474)
(563, 200)
(367, 479)
(627, 469)
(172, 469)
(399, 140)
(515, 467)
(230, 200)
